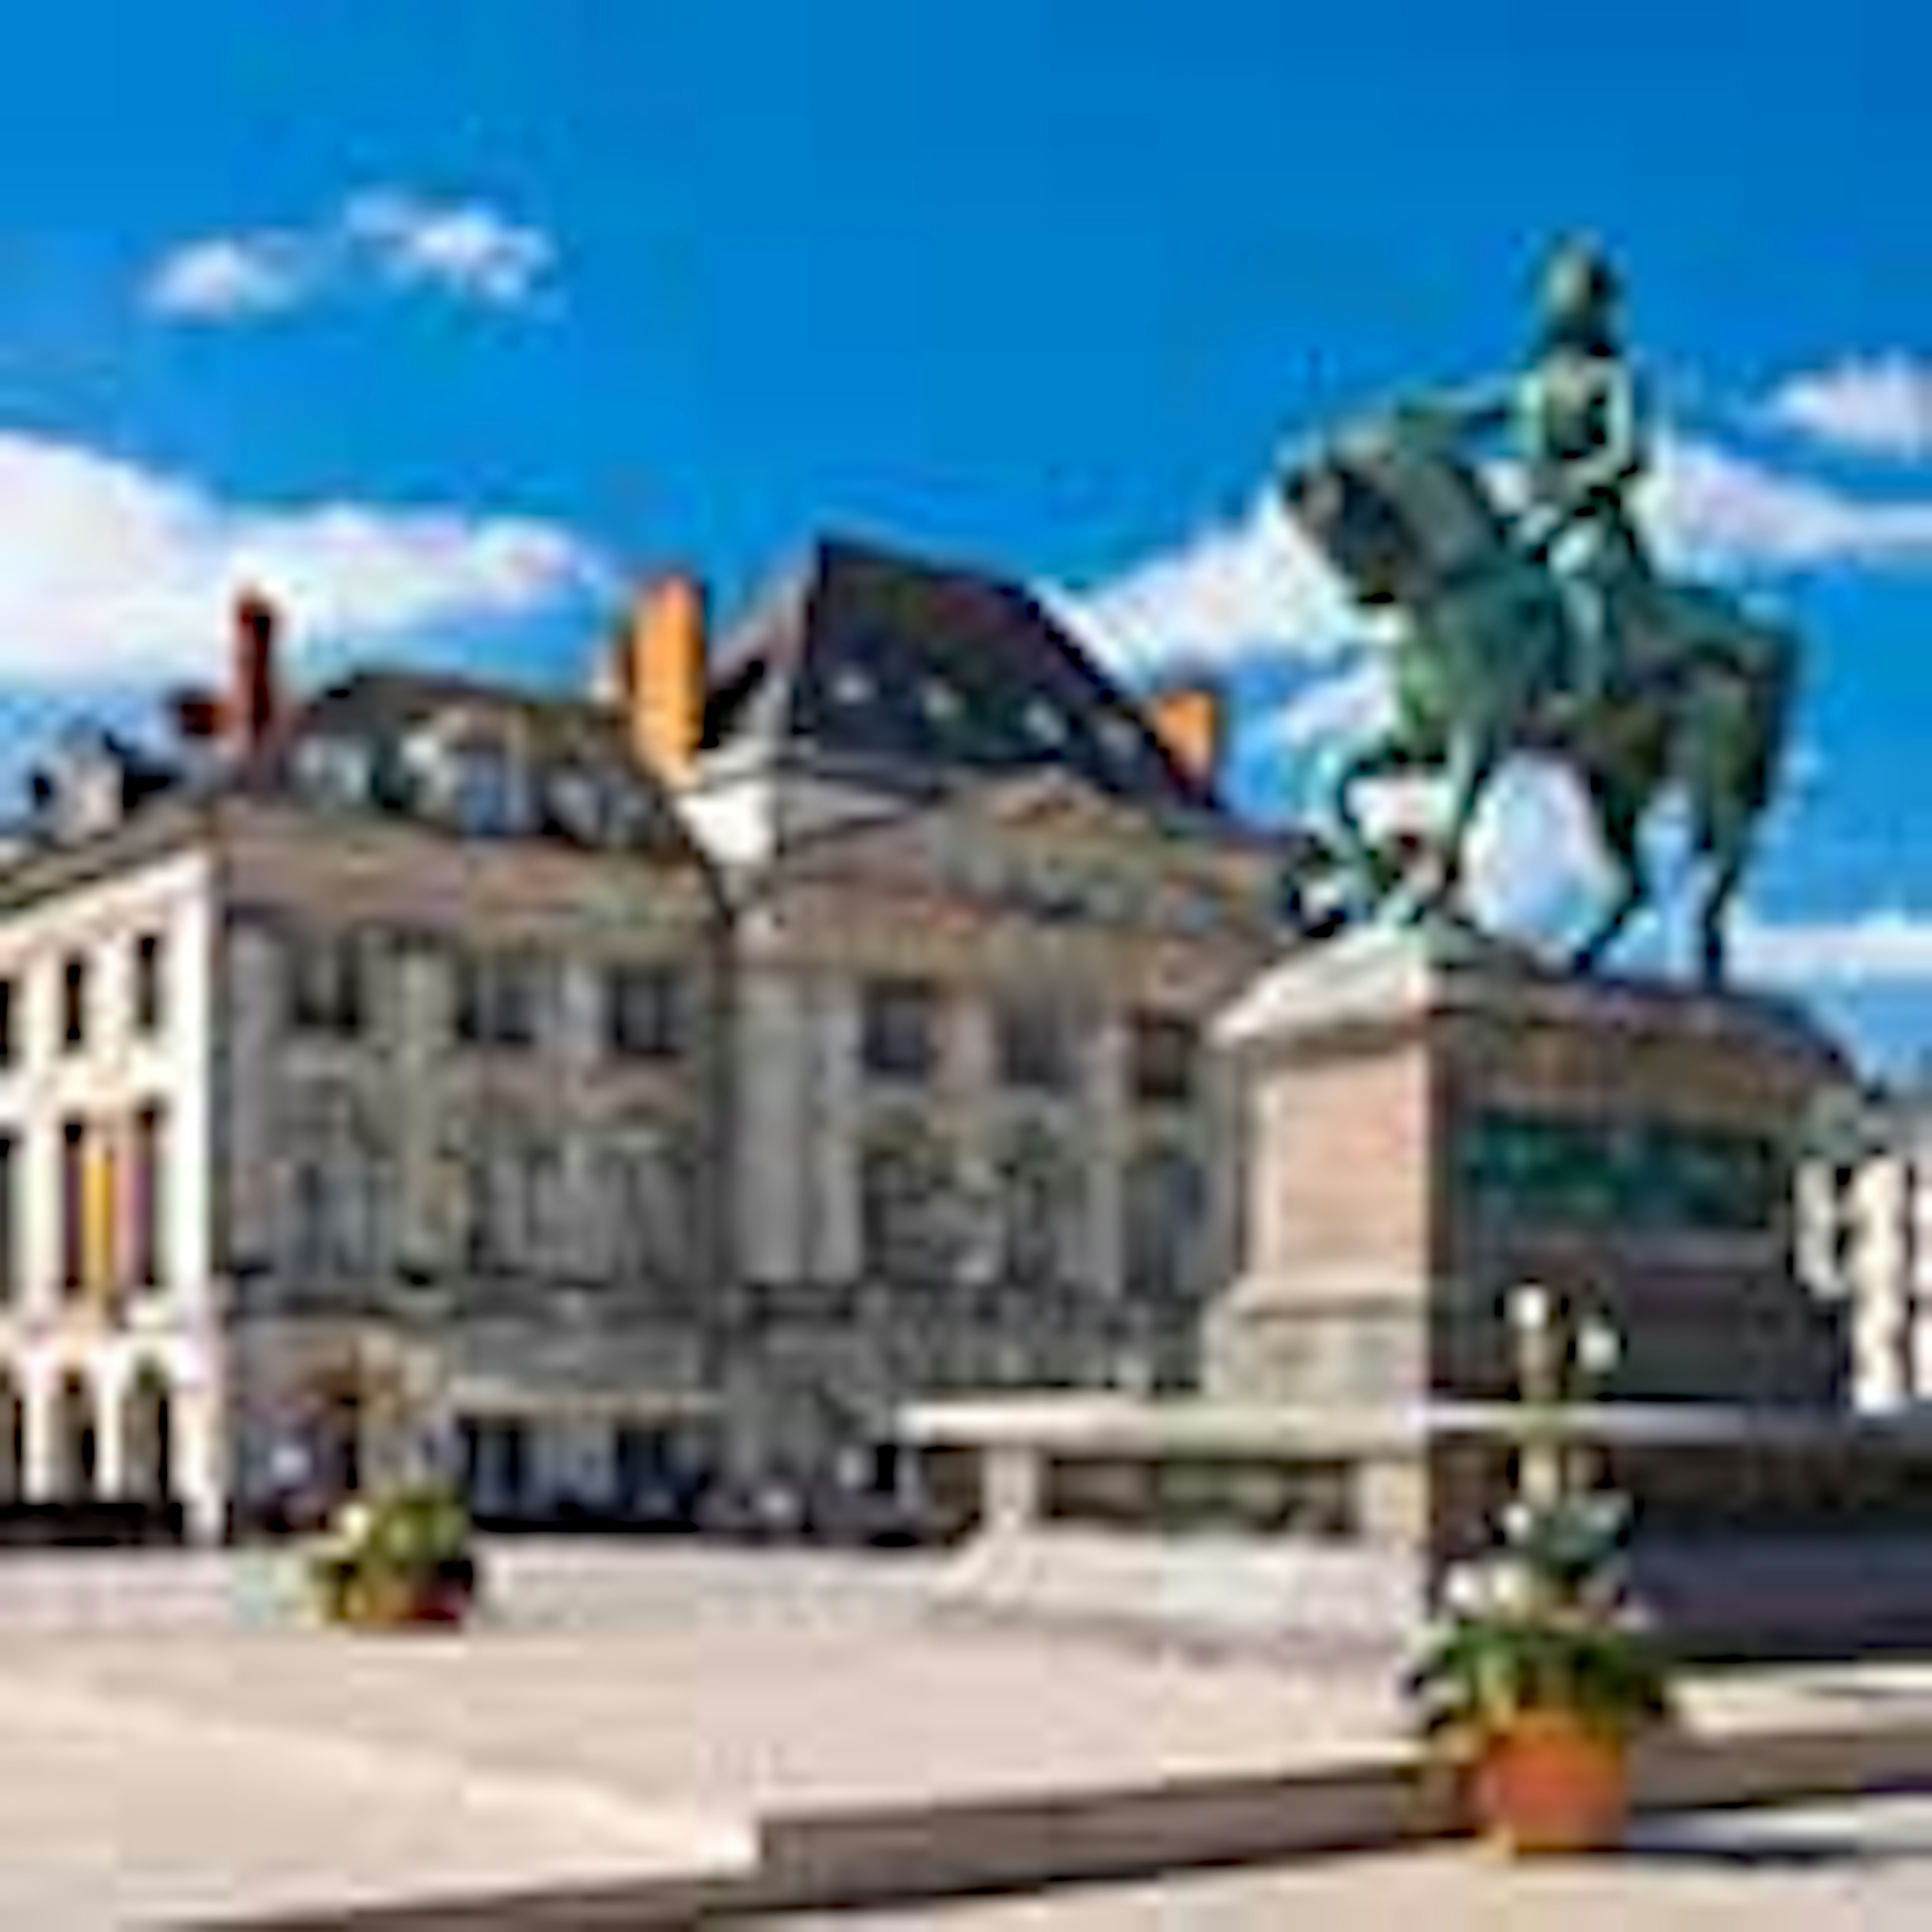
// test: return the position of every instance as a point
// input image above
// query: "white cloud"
(1713, 510)
(386, 238)
(1881, 405)
(1888, 946)
(1235, 592)
(1338, 707)
(228, 278)
(114, 572)
(1534, 851)
(468, 249)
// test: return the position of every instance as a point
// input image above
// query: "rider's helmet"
(1580, 293)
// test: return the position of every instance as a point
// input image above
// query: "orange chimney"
(1191, 721)
(661, 667)
(255, 698)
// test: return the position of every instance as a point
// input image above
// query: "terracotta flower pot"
(1549, 1784)
(400, 1604)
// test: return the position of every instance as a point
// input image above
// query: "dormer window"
(427, 759)
(1044, 724)
(580, 804)
(487, 789)
(467, 773)
(630, 816)
(941, 702)
(335, 772)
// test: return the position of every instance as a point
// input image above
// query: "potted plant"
(403, 1558)
(1540, 1675)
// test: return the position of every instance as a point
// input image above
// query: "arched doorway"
(147, 1424)
(13, 1441)
(76, 1442)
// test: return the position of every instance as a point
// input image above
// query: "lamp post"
(1562, 1356)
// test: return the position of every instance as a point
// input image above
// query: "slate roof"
(912, 668)
(384, 709)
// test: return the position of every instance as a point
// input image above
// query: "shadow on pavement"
(1763, 1846)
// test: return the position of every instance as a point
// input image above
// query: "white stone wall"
(46, 1335)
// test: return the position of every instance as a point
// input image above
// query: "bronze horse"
(1699, 700)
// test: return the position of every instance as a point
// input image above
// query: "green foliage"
(406, 1539)
(1478, 1674)
(1541, 1625)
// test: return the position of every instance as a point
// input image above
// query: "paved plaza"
(181, 1751)
(1866, 1867)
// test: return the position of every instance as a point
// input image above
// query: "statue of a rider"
(1543, 627)
(1581, 438)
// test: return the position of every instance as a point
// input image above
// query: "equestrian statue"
(1544, 627)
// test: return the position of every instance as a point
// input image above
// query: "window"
(340, 1172)
(648, 1202)
(514, 1217)
(1035, 1045)
(1044, 724)
(899, 1029)
(148, 1437)
(1041, 1199)
(73, 1202)
(76, 1440)
(498, 996)
(73, 1002)
(467, 772)
(325, 984)
(941, 702)
(9, 1217)
(578, 804)
(149, 1182)
(337, 772)
(149, 956)
(643, 1012)
(495, 1460)
(905, 1186)
(1164, 1210)
(1163, 1053)
(6, 1023)
(488, 790)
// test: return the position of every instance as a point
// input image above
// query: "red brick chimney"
(243, 712)
(255, 697)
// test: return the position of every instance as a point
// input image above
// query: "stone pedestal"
(1431, 1119)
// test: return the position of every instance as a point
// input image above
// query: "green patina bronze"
(1545, 627)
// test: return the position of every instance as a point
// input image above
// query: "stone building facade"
(1865, 1205)
(984, 905)
(553, 1086)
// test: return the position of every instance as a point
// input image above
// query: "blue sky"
(445, 318)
